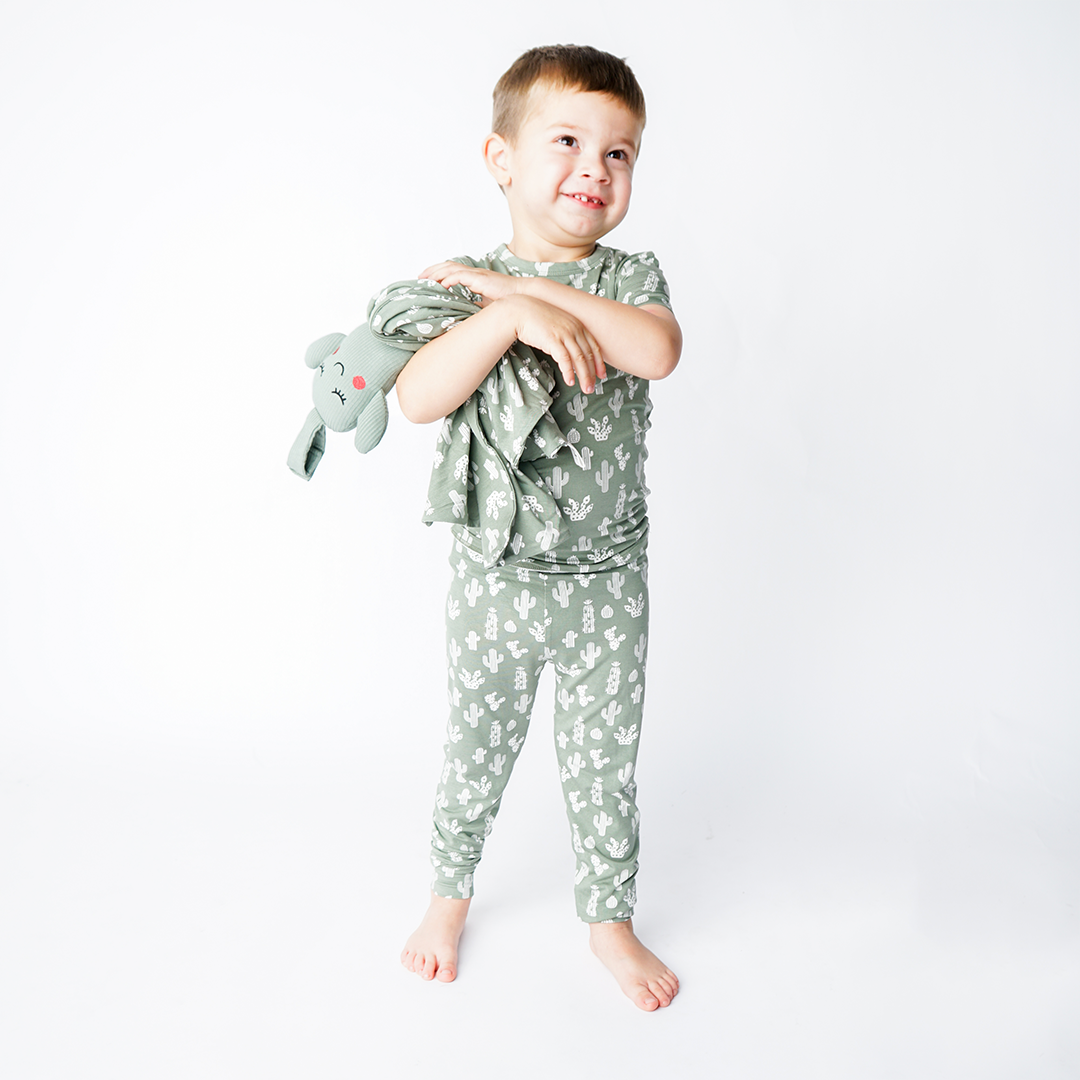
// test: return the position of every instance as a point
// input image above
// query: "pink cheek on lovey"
(358, 382)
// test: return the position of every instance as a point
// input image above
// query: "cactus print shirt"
(601, 490)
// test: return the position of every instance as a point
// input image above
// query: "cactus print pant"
(503, 626)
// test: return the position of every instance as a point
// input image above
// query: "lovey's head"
(567, 128)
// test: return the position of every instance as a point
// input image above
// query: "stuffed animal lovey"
(353, 375)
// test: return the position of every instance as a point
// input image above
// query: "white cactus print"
(610, 711)
(579, 511)
(594, 899)
(575, 763)
(471, 680)
(600, 429)
(617, 848)
(614, 678)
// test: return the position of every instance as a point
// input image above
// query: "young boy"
(566, 133)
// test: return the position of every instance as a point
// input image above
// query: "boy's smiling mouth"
(585, 200)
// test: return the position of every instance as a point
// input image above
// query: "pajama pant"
(502, 626)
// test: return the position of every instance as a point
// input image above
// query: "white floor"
(235, 917)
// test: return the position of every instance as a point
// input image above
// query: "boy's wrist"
(514, 308)
(536, 287)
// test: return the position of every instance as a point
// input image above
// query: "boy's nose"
(596, 169)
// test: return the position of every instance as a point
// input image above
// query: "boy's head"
(566, 132)
(562, 67)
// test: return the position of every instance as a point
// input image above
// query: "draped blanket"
(481, 476)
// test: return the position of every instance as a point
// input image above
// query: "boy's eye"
(620, 154)
(566, 140)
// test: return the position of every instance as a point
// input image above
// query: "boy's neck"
(536, 250)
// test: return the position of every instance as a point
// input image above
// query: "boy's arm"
(444, 372)
(645, 341)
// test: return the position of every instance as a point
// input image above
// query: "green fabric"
(600, 490)
(502, 627)
(483, 443)
(500, 476)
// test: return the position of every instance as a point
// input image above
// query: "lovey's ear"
(319, 350)
(307, 450)
(497, 159)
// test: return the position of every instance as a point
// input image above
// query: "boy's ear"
(496, 157)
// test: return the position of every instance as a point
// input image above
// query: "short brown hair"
(579, 67)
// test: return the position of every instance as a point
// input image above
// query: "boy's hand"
(489, 285)
(541, 325)
(563, 337)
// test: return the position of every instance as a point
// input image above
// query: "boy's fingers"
(591, 362)
(440, 271)
(598, 360)
(597, 357)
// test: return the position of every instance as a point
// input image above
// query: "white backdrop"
(222, 688)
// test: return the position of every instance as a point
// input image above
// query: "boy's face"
(567, 174)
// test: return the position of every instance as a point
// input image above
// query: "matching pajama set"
(575, 594)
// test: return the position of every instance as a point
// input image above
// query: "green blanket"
(481, 477)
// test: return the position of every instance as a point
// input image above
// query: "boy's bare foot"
(431, 950)
(647, 982)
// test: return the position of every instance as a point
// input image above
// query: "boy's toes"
(447, 974)
(427, 969)
(647, 1000)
